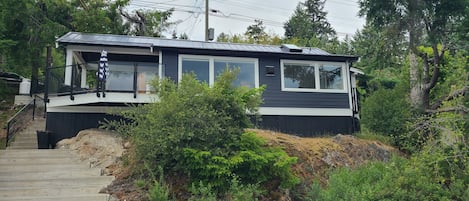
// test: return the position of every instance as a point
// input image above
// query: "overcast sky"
(234, 16)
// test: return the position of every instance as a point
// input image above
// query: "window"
(199, 67)
(121, 75)
(245, 75)
(207, 68)
(331, 76)
(146, 72)
(308, 76)
(299, 76)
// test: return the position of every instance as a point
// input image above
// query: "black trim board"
(67, 125)
(309, 126)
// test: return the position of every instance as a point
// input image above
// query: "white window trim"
(316, 65)
(211, 60)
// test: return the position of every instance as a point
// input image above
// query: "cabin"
(308, 91)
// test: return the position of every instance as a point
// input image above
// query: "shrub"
(198, 130)
(433, 174)
(386, 111)
(252, 163)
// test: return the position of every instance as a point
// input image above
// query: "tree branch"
(451, 96)
(459, 108)
(436, 68)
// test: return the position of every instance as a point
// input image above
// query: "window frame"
(211, 60)
(316, 65)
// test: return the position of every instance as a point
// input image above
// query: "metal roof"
(141, 41)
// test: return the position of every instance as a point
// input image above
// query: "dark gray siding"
(170, 64)
(66, 125)
(275, 97)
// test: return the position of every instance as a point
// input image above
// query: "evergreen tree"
(309, 20)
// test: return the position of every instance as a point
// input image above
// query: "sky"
(234, 16)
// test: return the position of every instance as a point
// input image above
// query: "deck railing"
(55, 79)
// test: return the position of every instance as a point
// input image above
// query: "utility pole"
(206, 20)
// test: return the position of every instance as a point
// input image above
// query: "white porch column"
(83, 78)
(68, 68)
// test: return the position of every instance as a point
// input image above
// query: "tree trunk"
(417, 92)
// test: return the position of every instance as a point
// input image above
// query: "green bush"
(252, 163)
(433, 174)
(386, 111)
(236, 191)
(197, 130)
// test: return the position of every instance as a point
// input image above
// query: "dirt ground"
(318, 155)
(315, 156)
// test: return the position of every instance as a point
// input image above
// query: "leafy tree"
(268, 39)
(98, 16)
(309, 21)
(379, 49)
(425, 22)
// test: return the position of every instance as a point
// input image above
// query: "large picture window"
(208, 68)
(306, 76)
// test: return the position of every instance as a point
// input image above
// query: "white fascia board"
(305, 111)
(86, 109)
(111, 97)
(110, 49)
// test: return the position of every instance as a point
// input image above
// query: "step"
(60, 182)
(44, 191)
(21, 147)
(26, 138)
(89, 197)
(46, 153)
(39, 167)
(24, 143)
(36, 161)
(45, 173)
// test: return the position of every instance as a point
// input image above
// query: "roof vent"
(290, 48)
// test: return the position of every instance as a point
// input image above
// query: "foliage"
(426, 22)
(256, 32)
(309, 21)
(268, 38)
(198, 130)
(439, 174)
(252, 163)
(202, 192)
(386, 111)
(6, 93)
(366, 134)
(378, 49)
(236, 191)
(158, 192)
(146, 22)
(98, 16)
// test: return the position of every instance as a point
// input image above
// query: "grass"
(369, 135)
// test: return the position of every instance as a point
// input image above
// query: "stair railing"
(19, 121)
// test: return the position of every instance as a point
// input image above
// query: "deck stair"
(31, 174)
